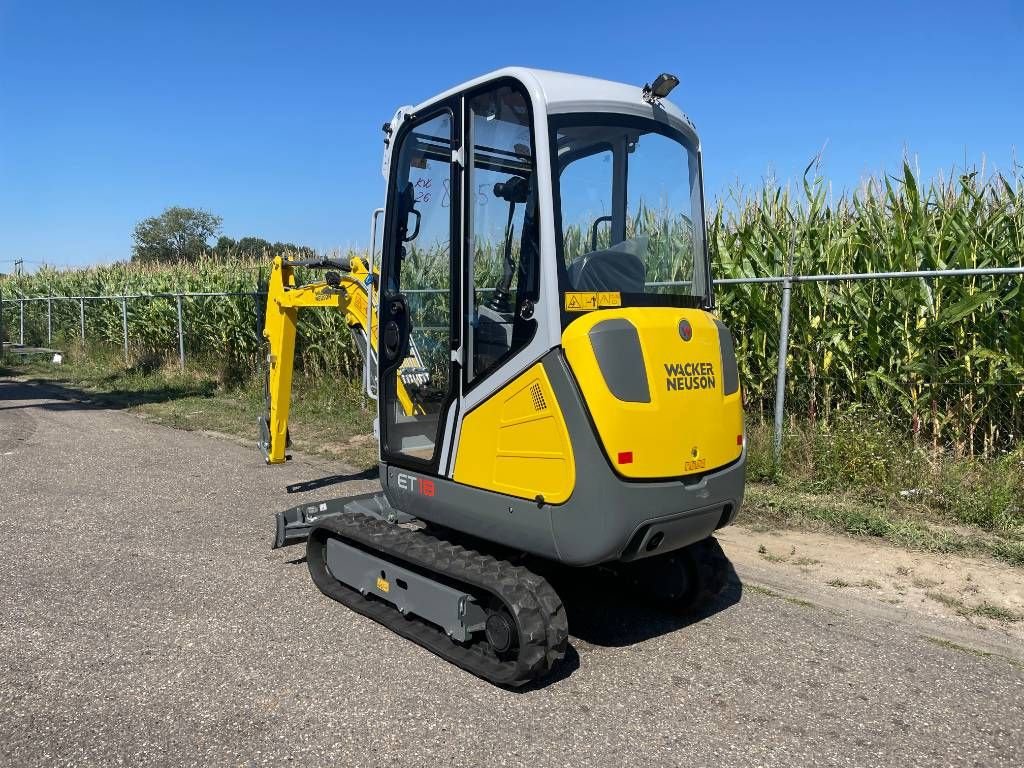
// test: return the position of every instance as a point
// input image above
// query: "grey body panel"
(606, 518)
(616, 346)
(451, 609)
(730, 371)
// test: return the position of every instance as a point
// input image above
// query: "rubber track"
(536, 608)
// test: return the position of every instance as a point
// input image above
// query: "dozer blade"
(293, 525)
(496, 620)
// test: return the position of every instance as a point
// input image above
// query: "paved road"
(143, 620)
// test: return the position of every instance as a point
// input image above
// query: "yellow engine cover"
(516, 442)
(688, 425)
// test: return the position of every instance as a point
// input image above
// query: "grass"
(768, 592)
(949, 644)
(806, 561)
(861, 460)
(946, 600)
(782, 506)
(990, 611)
(326, 418)
(985, 610)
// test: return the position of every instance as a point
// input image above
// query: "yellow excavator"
(552, 384)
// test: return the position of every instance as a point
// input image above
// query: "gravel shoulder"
(145, 621)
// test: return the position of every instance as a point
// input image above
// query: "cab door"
(418, 330)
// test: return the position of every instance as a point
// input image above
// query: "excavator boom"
(348, 290)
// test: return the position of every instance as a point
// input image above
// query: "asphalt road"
(144, 620)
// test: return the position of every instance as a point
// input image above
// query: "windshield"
(631, 216)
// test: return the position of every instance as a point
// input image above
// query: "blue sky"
(269, 114)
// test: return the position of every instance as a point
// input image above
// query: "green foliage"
(176, 235)
(246, 248)
(227, 331)
(861, 457)
(942, 358)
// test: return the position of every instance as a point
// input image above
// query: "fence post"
(780, 374)
(49, 321)
(124, 325)
(81, 315)
(21, 323)
(181, 336)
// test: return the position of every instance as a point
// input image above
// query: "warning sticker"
(383, 585)
(585, 301)
(576, 301)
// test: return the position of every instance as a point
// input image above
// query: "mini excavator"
(552, 385)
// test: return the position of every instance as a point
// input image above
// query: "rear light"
(625, 457)
(739, 439)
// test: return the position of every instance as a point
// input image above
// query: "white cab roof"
(562, 93)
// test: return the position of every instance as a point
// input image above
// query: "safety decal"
(586, 301)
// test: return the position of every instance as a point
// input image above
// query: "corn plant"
(942, 359)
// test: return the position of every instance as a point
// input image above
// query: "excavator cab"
(551, 379)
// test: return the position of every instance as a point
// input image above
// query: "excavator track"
(541, 628)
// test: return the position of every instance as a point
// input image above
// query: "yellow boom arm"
(284, 298)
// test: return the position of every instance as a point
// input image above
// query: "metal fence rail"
(786, 283)
(124, 298)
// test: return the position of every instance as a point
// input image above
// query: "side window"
(586, 195)
(502, 259)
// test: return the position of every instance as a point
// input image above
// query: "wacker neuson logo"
(683, 376)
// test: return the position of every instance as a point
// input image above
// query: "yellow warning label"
(576, 301)
(382, 585)
(585, 301)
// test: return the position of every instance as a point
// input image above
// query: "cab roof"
(562, 92)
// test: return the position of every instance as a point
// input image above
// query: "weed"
(946, 600)
(955, 646)
(761, 590)
(990, 611)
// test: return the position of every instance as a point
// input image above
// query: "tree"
(177, 234)
(256, 248)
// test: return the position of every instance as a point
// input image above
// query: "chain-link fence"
(935, 358)
(938, 355)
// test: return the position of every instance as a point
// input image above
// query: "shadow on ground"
(606, 611)
(72, 397)
(322, 482)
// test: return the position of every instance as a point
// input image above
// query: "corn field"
(940, 359)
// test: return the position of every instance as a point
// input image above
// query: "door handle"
(392, 340)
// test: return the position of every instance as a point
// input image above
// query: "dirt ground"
(980, 594)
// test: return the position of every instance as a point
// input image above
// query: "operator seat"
(608, 270)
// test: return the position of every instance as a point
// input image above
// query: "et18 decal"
(413, 484)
